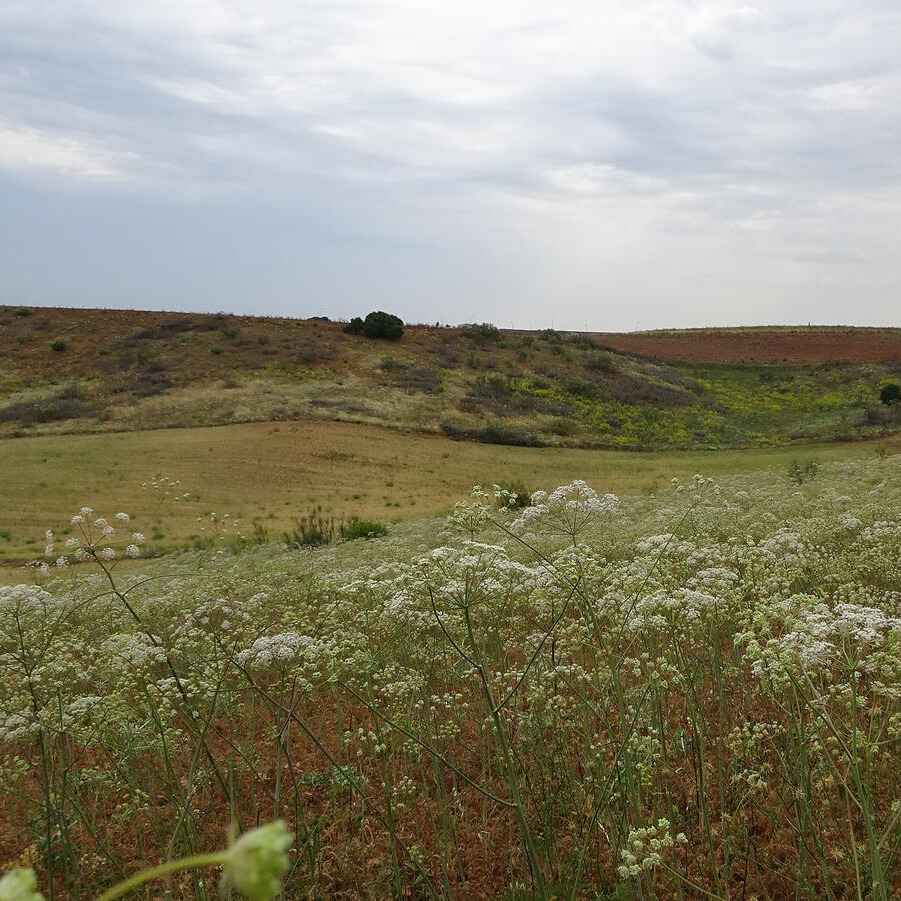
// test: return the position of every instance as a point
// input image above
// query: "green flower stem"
(164, 869)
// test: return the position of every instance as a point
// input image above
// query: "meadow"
(262, 476)
(607, 693)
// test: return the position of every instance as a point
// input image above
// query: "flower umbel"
(257, 861)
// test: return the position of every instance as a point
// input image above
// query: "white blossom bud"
(257, 861)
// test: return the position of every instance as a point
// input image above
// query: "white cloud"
(24, 148)
(580, 140)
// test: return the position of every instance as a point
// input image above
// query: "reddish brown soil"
(250, 342)
(798, 346)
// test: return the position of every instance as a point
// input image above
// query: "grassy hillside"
(69, 371)
(265, 475)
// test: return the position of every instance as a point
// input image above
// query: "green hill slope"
(69, 370)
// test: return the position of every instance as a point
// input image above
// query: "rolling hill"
(73, 370)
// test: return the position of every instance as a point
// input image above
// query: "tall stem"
(121, 889)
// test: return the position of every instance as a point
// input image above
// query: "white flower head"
(257, 861)
(123, 517)
(20, 885)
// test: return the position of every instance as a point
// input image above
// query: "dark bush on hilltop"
(482, 332)
(890, 394)
(378, 324)
(59, 345)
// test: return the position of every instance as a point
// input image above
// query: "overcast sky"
(596, 164)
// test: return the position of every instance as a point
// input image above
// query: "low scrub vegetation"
(317, 529)
(696, 694)
(66, 403)
(481, 332)
(155, 370)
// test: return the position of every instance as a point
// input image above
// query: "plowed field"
(801, 346)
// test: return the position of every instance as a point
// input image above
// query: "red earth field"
(800, 346)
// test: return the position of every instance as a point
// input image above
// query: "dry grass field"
(271, 473)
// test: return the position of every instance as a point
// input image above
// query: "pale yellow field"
(276, 472)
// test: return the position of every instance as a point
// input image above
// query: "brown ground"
(819, 344)
(254, 342)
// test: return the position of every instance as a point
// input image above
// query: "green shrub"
(378, 325)
(216, 349)
(23, 311)
(312, 530)
(482, 332)
(890, 394)
(581, 387)
(600, 361)
(497, 433)
(363, 528)
(59, 345)
(564, 427)
(386, 326)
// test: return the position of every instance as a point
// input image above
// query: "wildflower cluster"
(659, 696)
(95, 538)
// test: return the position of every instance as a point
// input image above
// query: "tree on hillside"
(377, 324)
(482, 332)
(890, 394)
(354, 327)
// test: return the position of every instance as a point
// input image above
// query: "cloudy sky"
(584, 164)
